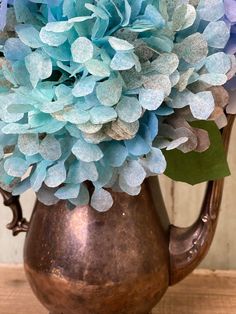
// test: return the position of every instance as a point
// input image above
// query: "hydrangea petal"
(176, 143)
(83, 197)
(86, 152)
(109, 92)
(214, 79)
(102, 114)
(56, 175)
(230, 11)
(153, 15)
(211, 10)
(87, 171)
(218, 63)
(190, 16)
(16, 166)
(68, 191)
(101, 200)
(151, 99)
(39, 175)
(193, 48)
(158, 82)
(21, 187)
(14, 49)
(137, 146)
(133, 173)
(97, 68)
(28, 144)
(15, 128)
(74, 115)
(90, 128)
(46, 196)
(105, 174)
(84, 86)
(203, 105)
(184, 16)
(131, 190)
(50, 148)
(29, 35)
(120, 44)
(51, 38)
(155, 161)
(129, 109)
(217, 34)
(39, 67)
(61, 53)
(120, 130)
(82, 50)
(3, 14)
(58, 27)
(123, 61)
(116, 154)
(167, 63)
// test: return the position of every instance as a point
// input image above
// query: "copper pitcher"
(118, 262)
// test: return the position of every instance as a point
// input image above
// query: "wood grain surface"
(204, 292)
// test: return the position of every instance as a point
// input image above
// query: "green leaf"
(193, 167)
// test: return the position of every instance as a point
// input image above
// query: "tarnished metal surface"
(86, 262)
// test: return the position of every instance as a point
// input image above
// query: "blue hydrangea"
(87, 85)
(3, 13)
(230, 19)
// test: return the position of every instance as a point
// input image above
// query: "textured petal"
(101, 200)
(151, 99)
(15, 166)
(133, 173)
(56, 175)
(28, 144)
(116, 154)
(68, 191)
(109, 92)
(87, 152)
(129, 109)
(50, 148)
(82, 50)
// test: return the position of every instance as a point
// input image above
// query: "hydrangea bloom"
(87, 88)
(3, 13)
(230, 18)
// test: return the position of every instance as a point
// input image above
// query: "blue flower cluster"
(85, 86)
(230, 19)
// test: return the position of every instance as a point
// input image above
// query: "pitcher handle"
(18, 223)
(188, 246)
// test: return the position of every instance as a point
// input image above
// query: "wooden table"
(204, 292)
